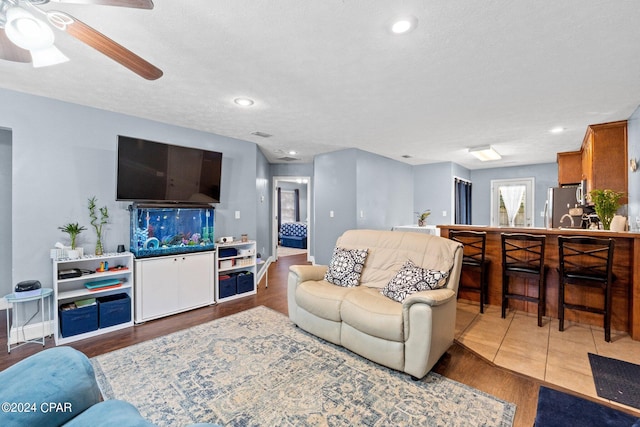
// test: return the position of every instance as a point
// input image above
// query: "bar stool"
(523, 257)
(473, 259)
(586, 262)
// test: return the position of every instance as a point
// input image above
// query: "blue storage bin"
(227, 286)
(78, 320)
(114, 309)
(245, 282)
(227, 252)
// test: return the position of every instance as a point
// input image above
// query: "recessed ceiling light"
(557, 130)
(244, 102)
(404, 25)
(293, 152)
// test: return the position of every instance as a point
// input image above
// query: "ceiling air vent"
(261, 134)
(287, 159)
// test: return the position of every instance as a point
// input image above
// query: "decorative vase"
(422, 223)
(99, 250)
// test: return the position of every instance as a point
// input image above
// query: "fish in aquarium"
(169, 231)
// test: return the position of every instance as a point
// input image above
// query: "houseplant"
(422, 217)
(98, 223)
(606, 204)
(73, 229)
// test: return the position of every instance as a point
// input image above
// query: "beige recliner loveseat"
(408, 336)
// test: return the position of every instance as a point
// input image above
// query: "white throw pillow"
(411, 279)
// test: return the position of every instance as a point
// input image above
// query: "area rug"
(616, 380)
(257, 368)
(558, 409)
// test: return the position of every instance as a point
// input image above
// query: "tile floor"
(518, 344)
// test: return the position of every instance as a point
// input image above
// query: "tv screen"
(154, 172)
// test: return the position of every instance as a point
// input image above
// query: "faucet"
(570, 218)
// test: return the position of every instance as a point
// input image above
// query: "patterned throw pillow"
(346, 266)
(411, 279)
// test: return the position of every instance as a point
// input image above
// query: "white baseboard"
(264, 268)
(31, 332)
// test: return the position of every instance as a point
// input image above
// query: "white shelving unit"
(244, 261)
(73, 289)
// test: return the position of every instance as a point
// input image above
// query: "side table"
(16, 301)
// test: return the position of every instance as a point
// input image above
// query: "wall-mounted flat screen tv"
(156, 172)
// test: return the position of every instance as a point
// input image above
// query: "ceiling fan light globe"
(47, 56)
(27, 31)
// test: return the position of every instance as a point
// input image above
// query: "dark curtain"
(463, 202)
(296, 204)
(279, 191)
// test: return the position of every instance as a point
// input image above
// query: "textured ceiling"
(327, 75)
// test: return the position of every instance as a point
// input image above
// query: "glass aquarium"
(157, 231)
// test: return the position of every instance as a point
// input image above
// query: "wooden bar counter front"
(625, 290)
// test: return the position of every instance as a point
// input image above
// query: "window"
(288, 206)
(512, 202)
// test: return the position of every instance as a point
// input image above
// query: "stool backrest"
(586, 257)
(473, 243)
(523, 252)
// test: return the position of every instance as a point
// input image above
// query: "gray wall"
(65, 153)
(334, 190)
(263, 206)
(291, 169)
(6, 284)
(363, 190)
(545, 175)
(384, 192)
(433, 190)
(633, 135)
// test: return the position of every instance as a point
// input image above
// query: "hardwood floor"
(458, 363)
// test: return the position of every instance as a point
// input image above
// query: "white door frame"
(274, 202)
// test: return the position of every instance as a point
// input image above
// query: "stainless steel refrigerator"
(559, 201)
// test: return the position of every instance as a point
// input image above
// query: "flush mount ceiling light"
(558, 129)
(244, 102)
(293, 152)
(485, 153)
(404, 25)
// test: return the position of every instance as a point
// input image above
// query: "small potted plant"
(73, 229)
(422, 217)
(98, 223)
(606, 204)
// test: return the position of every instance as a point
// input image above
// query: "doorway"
(291, 205)
(512, 202)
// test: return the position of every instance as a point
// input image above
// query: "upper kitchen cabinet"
(604, 157)
(569, 168)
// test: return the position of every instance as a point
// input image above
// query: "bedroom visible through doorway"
(291, 216)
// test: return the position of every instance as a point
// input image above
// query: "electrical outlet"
(444, 213)
(237, 214)
(330, 214)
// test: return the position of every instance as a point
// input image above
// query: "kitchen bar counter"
(625, 290)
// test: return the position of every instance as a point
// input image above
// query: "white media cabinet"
(172, 284)
(67, 290)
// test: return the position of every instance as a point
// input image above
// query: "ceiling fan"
(26, 34)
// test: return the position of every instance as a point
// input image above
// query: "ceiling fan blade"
(138, 4)
(108, 47)
(10, 51)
